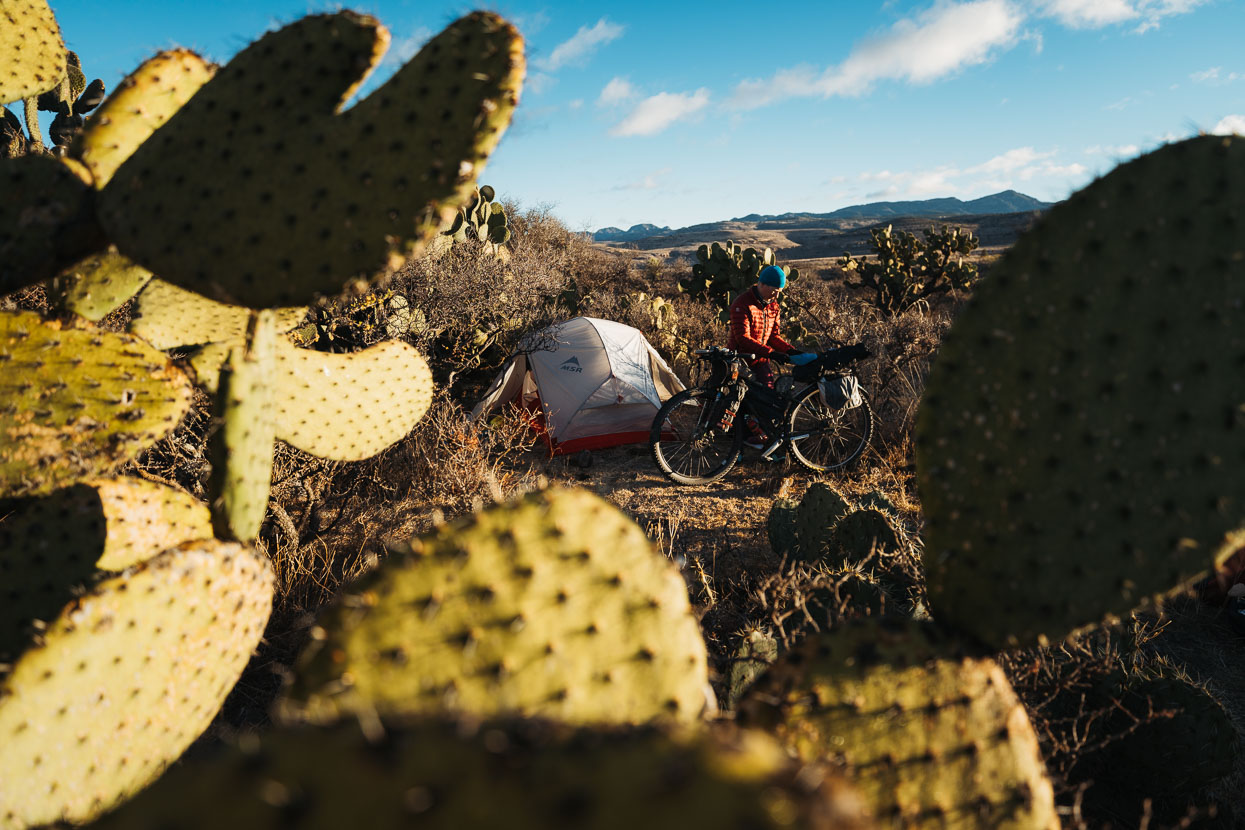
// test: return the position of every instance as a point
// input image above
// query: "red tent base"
(599, 442)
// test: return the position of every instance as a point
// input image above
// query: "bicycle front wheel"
(686, 443)
(823, 438)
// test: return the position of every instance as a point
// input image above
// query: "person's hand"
(779, 357)
(801, 358)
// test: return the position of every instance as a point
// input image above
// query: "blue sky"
(678, 113)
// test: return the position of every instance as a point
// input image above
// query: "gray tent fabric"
(598, 383)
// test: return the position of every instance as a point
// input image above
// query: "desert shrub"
(908, 270)
(468, 312)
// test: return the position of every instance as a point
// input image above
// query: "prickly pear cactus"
(78, 402)
(1080, 439)
(819, 511)
(932, 739)
(32, 54)
(127, 676)
(99, 284)
(781, 527)
(275, 215)
(51, 545)
(554, 606)
(47, 221)
(140, 105)
(522, 774)
(348, 407)
(862, 534)
(167, 317)
(757, 651)
(1172, 737)
(243, 447)
(844, 593)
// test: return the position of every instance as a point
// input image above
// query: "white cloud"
(1215, 75)
(649, 182)
(581, 45)
(1115, 152)
(1230, 124)
(1011, 161)
(656, 113)
(617, 91)
(575, 104)
(538, 83)
(1006, 171)
(934, 44)
(1096, 14)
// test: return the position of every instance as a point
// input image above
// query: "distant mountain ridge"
(1007, 201)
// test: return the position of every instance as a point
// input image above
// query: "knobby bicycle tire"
(839, 436)
(681, 452)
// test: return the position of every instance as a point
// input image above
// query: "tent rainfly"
(589, 383)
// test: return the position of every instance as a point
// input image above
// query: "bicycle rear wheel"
(686, 443)
(823, 438)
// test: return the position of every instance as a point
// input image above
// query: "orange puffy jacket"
(755, 325)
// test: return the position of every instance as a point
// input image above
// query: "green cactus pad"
(878, 500)
(757, 652)
(242, 450)
(47, 219)
(167, 317)
(125, 679)
(847, 593)
(519, 774)
(1080, 441)
(815, 518)
(555, 605)
(101, 283)
(75, 403)
(932, 739)
(269, 215)
(781, 527)
(348, 407)
(140, 105)
(32, 54)
(49, 546)
(864, 533)
(207, 362)
(1190, 744)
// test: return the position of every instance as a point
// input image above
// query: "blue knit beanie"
(772, 275)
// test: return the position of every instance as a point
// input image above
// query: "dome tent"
(590, 384)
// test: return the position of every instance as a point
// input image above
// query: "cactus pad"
(140, 105)
(864, 533)
(125, 679)
(931, 739)
(272, 197)
(819, 511)
(1080, 441)
(167, 316)
(75, 403)
(47, 219)
(442, 775)
(555, 605)
(101, 283)
(757, 651)
(781, 527)
(348, 407)
(242, 449)
(51, 545)
(32, 54)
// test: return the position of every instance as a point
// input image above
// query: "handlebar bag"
(840, 392)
